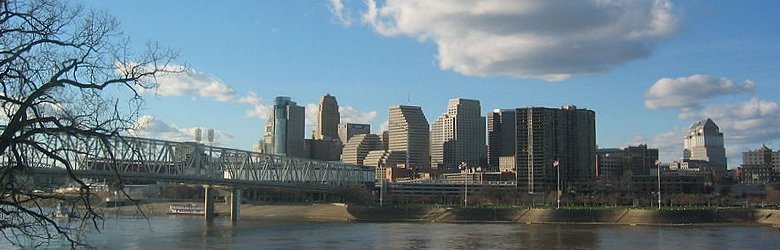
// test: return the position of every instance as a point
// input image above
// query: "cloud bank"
(745, 123)
(191, 82)
(347, 114)
(689, 92)
(148, 126)
(551, 40)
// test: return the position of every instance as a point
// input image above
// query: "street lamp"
(558, 168)
(658, 166)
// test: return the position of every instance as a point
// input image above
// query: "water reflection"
(194, 232)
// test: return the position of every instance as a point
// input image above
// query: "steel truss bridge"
(189, 162)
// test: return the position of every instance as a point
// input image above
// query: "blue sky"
(648, 68)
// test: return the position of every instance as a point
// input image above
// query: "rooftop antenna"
(408, 98)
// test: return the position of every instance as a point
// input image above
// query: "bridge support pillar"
(208, 205)
(235, 204)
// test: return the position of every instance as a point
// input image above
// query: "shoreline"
(337, 212)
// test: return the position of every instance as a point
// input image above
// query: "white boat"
(188, 209)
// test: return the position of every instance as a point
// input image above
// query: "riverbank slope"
(342, 212)
(570, 215)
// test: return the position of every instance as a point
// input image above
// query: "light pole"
(658, 166)
(466, 192)
(558, 169)
(381, 192)
(559, 187)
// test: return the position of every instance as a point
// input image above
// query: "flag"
(462, 165)
(657, 163)
(555, 163)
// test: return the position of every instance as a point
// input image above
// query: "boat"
(64, 211)
(187, 209)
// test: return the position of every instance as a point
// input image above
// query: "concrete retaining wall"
(579, 215)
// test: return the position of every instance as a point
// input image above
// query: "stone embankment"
(341, 212)
(569, 215)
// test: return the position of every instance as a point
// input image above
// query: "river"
(194, 233)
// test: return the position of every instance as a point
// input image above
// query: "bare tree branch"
(56, 63)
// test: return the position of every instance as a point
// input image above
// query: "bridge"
(133, 158)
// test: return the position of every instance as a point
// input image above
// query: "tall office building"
(705, 142)
(409, 133)
(761, 165)
(348, 130)
(356, 150)
(458, 135)
(761, 156)
(615, 163)
(385, 139)
(544, 135)
(328, 119)
(610, 163)
(284, 131)
(501, 136)
(640, 159)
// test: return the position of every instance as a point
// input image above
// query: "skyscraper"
(356, 150)
(705, 142)
(501, 136)
(544, 135)
(348, 130)
(615, 163)
(409, 134)
(328, 119)
(284, 129)
(640, 159)
(458, 135)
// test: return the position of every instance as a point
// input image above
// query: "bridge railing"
(183, 159)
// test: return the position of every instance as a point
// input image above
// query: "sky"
(649, 69)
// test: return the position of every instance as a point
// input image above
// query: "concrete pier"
(235, 204)
(210, 195)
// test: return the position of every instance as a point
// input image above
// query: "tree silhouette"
(66, 74)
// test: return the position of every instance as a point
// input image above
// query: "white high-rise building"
(458, 135)
(705, 142)
(409, 134)
(357, 148)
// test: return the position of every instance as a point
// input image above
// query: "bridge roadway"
(311, 187)
(189, 162)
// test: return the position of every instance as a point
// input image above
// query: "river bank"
(619, 216)
(286, 212)
(342, 212)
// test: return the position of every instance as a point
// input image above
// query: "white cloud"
(190, 82)
(337, 9)
(745, 125)
(347, 114)
(753, 122)
(383, 127)
(259, 110)
(193, 83)
(311, 114)
(352, 115)
(552, 40)
(150, 127)
(689, 92)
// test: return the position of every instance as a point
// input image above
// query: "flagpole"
(466, 192)
(559, 185)
(658, 165)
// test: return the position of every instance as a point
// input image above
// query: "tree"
(66, 72)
